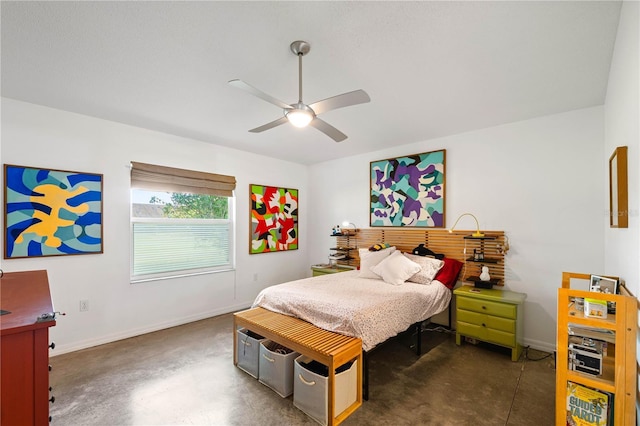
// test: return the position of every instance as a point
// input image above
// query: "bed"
(387, 295)
(345, 303)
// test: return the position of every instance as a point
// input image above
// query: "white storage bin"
(311, 391)
(248, 347)
(276, 367)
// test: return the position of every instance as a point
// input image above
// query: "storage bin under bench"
(326, 347)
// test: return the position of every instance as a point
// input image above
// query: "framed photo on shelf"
(603, 284)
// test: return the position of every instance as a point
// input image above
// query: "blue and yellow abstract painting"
(51, 212)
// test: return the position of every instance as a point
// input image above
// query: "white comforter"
(366, 308)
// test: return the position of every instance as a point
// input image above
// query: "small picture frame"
(602, 284)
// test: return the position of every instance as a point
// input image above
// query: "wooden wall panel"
(453, 245)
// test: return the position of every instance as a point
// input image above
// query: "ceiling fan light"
(299, 117)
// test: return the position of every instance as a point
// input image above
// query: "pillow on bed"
(379, 246)
(429, 267)
(369, 259)
(396, 269)
(448, 275)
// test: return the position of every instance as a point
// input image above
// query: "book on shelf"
(588, 407)
(592, 333)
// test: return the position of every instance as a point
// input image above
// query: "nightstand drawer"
(505, 310)
(486, 334)
(497, 323)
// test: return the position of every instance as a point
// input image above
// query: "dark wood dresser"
(24, 348)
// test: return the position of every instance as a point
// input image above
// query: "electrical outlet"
(84, 305)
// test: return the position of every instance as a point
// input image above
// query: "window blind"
(170, 179)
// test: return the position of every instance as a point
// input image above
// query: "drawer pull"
(52, 345)
(52, 399)
(50, 368)
(484, 325)
(484, 307)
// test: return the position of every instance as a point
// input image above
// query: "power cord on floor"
(439, 329)
(526, 355)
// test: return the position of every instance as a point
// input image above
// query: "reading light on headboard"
(346, 231)
(476, 234)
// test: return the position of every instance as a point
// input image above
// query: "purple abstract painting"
(408, 191)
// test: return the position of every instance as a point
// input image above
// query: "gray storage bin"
(276, 367)
(248, 347)
(311, 392)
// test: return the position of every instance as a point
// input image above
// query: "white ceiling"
(431, 68)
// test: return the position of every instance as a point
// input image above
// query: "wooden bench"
(329, 348)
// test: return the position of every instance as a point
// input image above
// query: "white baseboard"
(540, 346)
(125, 334)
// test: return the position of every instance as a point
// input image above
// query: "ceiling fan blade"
(271, 125)
(259, 93)
(328, 129)
(346, 99)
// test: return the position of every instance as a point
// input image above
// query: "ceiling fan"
(301, 114)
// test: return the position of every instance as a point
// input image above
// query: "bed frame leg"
(419, 338)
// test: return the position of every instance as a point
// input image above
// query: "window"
(181, 222)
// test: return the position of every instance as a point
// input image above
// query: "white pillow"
(369, 259)
(429, 267)
(396, 268)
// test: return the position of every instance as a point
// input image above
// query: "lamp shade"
(299, 117)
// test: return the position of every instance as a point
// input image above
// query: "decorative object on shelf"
(484, 276)
(603, 284)
(476, 234)
(408, 191)
(336, 230)
(274, 219)
(503, 248)
(51, 212)
(618, 195)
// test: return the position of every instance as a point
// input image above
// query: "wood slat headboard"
(452, 245)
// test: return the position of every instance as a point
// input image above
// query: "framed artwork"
(51, 212)
(408, 191)
(603, 284)
(618, 195)
(274, 219)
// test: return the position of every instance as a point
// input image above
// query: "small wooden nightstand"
(491, 315)
(326, 269)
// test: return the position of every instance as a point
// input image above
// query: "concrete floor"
(185, 376)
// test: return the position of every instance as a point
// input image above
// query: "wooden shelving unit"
(346, 243)
(618, 366)
(487, 248)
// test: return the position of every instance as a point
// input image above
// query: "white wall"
(622, 109)
(622, 112)
(540, 180)
(43, 137)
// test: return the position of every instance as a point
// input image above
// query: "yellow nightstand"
(318, 270)
(491, 315)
